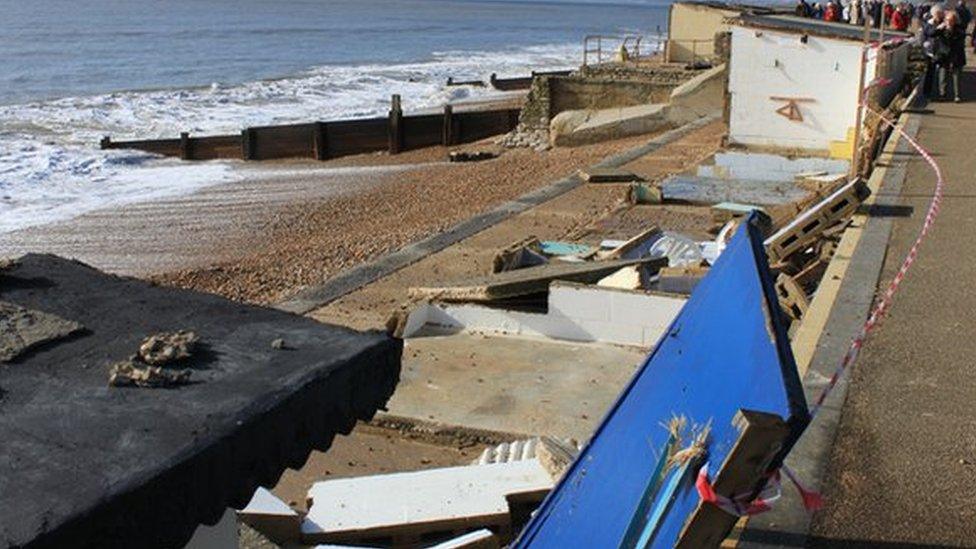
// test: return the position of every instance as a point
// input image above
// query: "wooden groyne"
(323, 140)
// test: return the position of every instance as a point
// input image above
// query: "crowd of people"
(941, 30)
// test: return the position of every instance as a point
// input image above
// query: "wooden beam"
(528, 281)
(761, 438)
(448, 131)
(396, 125)
(247, 144)
(186, 150)
(320, 141)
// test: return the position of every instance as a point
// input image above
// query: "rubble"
(134, 373)
(522, 137)
(151, 366)
(166, 347)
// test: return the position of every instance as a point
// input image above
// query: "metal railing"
(595, 45)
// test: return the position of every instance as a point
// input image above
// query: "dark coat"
(950, 47)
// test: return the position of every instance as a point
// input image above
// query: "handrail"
(630, 42)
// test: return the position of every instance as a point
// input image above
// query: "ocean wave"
(51, 168)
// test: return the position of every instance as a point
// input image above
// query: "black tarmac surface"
(86, 465)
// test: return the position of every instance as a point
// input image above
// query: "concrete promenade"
(902, 472)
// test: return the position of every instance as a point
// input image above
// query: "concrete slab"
(512, 384)
(83, 464)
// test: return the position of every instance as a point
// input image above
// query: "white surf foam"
(51, 168)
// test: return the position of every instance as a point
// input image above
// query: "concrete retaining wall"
(701, 96)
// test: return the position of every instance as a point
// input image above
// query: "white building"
(793, 82)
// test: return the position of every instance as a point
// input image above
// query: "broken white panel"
(576, 312)
(264, 502)
(271, 516)
(383, 503)
(483, 538)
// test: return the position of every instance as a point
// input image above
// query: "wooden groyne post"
(448, 131)
(396, 125)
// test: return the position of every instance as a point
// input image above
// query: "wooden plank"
(415, 503)
(609, 175)
(761, 438)
(531, 280)
(806, 227)
(707, 191)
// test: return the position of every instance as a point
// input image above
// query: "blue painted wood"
(727, 350)
(638, 524)
(678, 479)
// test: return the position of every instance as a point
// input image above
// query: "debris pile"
(523, 137)
(153, 365)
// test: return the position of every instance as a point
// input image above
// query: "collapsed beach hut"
(86, 464)
(721, 388)
(795, 83)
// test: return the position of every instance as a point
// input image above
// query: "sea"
(72, 71)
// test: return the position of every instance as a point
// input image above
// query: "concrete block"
(572, 128)
(579, 302)
(648, 310)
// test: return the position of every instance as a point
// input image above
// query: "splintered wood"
(809, 225)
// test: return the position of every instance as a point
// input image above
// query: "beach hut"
(795, 83)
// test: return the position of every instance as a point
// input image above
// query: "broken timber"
(725, 356)
(527, 281)
(804, 229)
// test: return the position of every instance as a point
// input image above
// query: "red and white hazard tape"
(746, 504)
(885, 302)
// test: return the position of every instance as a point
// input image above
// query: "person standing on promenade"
(927, 36)
(832, 12)
(965, 15)
(802, 8)
(950, 54)
(856, 16)
(902, 17)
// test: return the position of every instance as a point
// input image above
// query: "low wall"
(568, 94)
(701, 96)
(612, 85)
(577, 312)
(322, 140)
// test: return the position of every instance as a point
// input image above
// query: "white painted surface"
(478, 538)
(264, 502)
(576, 313)
(430, 496)
(767, 63)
